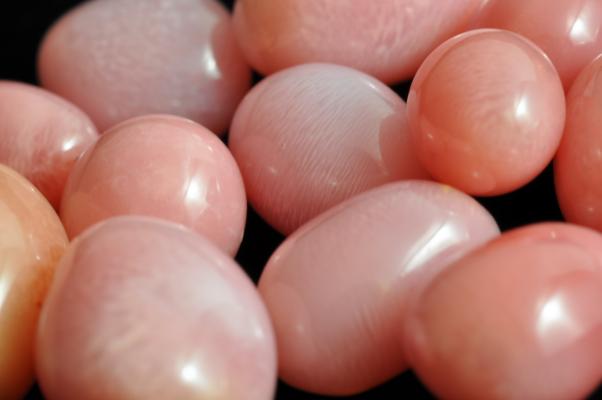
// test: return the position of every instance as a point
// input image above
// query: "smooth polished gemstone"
(314, 135)
(486, 112)
(146, 309)
(121, 59)
(568, 31)
(385, 38)
(519, 318)
(337, 288)
(160, 166)
(578, 163)
(41, 136)
(32, 240)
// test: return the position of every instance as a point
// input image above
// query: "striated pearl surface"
(578, 164)
(161, 166)
(568, 31)
(314, 135)
(337, 288)
(41, 136)
(32, 240)
(145, 309)
(121, 59)
(386, 38)
(519, 318)
(486, 112)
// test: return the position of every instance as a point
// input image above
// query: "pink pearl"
(486, 112)
(121, 59)
(337, 288)
(314, 135)
(41, 136)
(162, 166)
(144, 309)
(385, 38)
(517, 319)
(569, 31)
(32, 240)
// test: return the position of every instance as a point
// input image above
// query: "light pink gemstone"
(486, 112)
(41, 136)
(162, 166)
(385, 38)
(121, 59)
(144, 309)
(314, 135)
(517, 319)
(337, 288)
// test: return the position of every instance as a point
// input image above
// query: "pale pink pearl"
(517, 319)
(120, 59)
(568, 31)
(337, 288)
(161, 166)
(144, 309)
(314, 135)
(385, 38)
(41, 136)
(32, 240)
(486, 112)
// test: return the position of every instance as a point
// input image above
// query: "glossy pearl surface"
(161, 166)
(314, 135)
(32, 240)
(337, 288)
(486, 112)
(121, 59)
(41, 136)
(519, 318)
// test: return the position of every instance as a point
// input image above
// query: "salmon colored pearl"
(314, 135)
(41, 136)
(121, 59)
(519, 318)
(337, 288)
(161, 166)
(32, 240)
(486, 112)
(145, 309)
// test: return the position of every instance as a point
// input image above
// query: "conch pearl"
(32, 240)
(486, 112)
(337, 288)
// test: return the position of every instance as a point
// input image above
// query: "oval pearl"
(160, 166)
(41, 136)
(32, 240)
(386, 38)
(486, 112)
(578, 162)
(568, 31)
(519, 318)
(121, 59)
(145, 309)
(314, 135)
(336, 289)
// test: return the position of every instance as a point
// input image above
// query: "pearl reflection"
(581, 31)
(69, 144)
(192, 375)
(196, 194)
(555, 324)
(6, 280)
(210, 64)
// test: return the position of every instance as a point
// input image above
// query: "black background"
(22, 26)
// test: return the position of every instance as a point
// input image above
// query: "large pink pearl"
(337, 288)
(385, 38)
(578, 164)
(32, 240)
(486, 111)
(314, 135)
(161, 166)
(120, 59)
(144, 309)
(41, 136)
(517, 319)
(568, 31)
